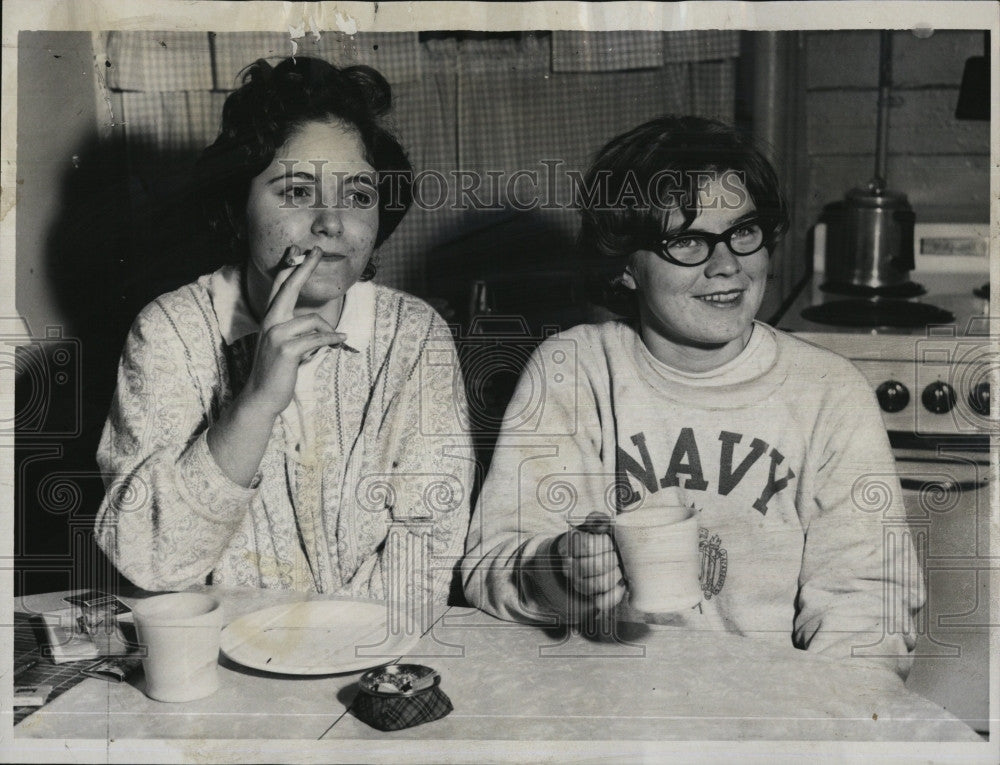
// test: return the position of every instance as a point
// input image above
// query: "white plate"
(317, 637)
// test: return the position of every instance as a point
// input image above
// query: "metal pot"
(870, 239)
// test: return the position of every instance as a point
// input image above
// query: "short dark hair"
(639, 177)
(266, 110)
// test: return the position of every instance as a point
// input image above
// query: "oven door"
(947, 498)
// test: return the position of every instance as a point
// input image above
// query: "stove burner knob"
(979, 398)
(892, 396)
(939, 397)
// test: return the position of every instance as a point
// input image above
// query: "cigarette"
(294, 257)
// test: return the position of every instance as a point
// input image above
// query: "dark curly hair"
(266, 110)
(640, 177)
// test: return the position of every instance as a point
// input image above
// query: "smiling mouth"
(729, 297)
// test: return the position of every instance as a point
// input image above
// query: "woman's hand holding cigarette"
(239, 437)
(285, 340)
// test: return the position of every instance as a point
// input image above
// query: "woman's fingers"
(306, 344)
(581, 605)
(595, 573)
(288, 283)
(293, 257)
(582, 543)
(590, 562)
(301, 337)
(596, 564)
(597, 584)
(299, 325)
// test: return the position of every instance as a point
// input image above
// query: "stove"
(929, 360)
(928, 357)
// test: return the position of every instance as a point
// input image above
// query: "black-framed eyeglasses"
(692, 248)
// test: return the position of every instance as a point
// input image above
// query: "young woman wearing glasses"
(772, 440)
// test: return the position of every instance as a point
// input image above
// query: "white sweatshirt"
(782, 450)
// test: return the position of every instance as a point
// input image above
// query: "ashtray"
(399, 696)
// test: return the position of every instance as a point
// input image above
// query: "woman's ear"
(627, 279)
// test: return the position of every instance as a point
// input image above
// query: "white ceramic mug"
(180, 632)
(659, 551)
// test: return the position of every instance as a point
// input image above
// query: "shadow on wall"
(125, 232)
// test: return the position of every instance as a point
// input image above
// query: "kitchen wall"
(65, 255)
(940, 163)
(52, 124)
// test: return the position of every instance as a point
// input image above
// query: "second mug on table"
(659, 552)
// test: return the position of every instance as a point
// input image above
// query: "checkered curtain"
(475, 103)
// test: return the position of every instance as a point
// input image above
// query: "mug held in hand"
(659, 552)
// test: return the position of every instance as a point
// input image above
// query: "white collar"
(753, 360)
(357, 318)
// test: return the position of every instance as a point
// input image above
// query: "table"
(519, 683)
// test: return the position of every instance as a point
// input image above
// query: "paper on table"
(68, 638)
(31, 695)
